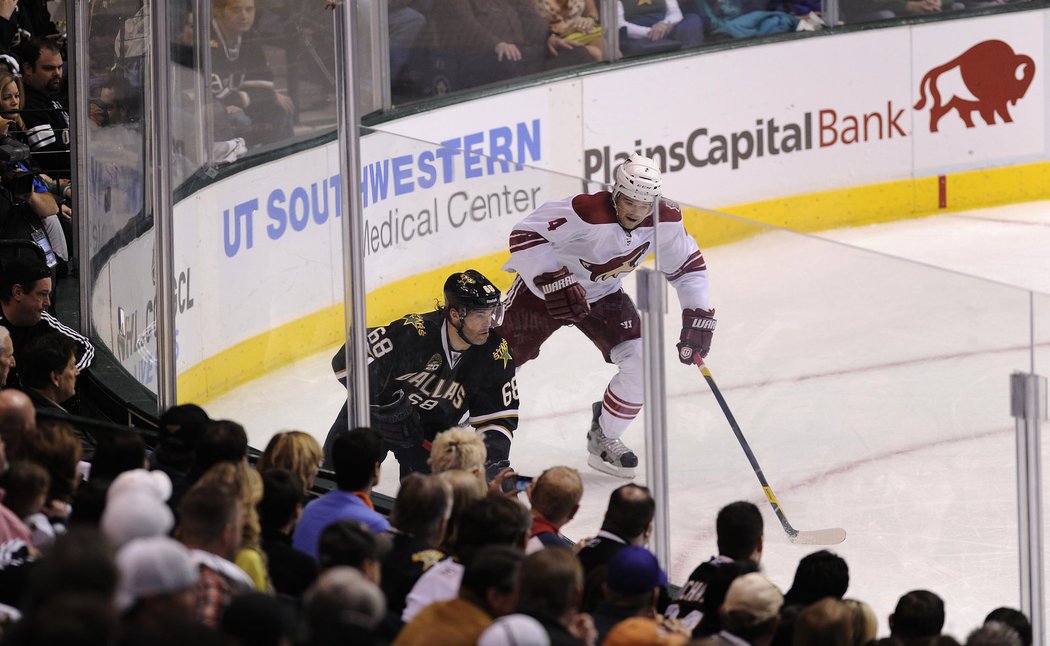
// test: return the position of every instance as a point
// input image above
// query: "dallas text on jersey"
(433, 387)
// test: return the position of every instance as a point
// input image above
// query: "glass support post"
(202, 43)
(830, 11)
(1028, 407)
(77, 19)
(652, 299)
(610, 30)
(381, 19)
(159, 155)
(353, 243)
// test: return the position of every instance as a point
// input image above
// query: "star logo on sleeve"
(416, 321)
(502, 353)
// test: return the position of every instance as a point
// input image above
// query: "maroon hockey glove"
(697, 328)
(566, 299)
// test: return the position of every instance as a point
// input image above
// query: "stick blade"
(831, 536)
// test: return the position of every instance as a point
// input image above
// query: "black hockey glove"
(398, 422)
(566, 298)
(497, 453)
(697, 328)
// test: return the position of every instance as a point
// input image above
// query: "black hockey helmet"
(470, 290)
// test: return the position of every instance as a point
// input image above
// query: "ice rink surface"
(873, 391)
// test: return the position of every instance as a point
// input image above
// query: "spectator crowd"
(114, 542)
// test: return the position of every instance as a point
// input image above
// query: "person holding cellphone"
(555, 499)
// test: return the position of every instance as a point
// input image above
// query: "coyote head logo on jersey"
(624, 264)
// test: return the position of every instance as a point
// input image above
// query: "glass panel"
(120, 245)
(258, 270)
(366, 49)
(1041, 331)
(272, 75)
(407, 30)
(1041, 367)
(872, 392)
(476, 43)
(193, 111)
(422, 228)
(648, 27)
(863, 11)
(440, 211)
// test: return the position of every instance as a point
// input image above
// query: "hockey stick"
(831, 536)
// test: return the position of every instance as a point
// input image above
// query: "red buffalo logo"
(994, 75)
(624, 264)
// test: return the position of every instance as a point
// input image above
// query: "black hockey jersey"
(697, 602)
(448, 388)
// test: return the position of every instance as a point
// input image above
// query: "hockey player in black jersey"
(429, 372)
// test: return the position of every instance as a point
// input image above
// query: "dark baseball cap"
(183, 424)
(634, 570)
(24, 271)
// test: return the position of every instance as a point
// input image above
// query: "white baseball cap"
(153, 566)
(156, 483)
(515, 630)
(755, 595)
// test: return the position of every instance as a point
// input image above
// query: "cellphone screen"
(521, 482)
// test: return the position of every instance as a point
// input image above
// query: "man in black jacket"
(25, 295)
(741, 537)
(628, 521)
(46, 119)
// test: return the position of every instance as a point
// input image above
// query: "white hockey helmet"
(638, 178)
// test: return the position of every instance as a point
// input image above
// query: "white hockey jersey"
(582, 234)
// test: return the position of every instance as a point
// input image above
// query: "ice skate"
(608, 455)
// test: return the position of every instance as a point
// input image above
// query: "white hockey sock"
(623, 397)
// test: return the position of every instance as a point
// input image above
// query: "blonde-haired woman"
(865, 623)
(461, 448)
(12, 100)
(247, 485)
(43, 204)
(296, 451)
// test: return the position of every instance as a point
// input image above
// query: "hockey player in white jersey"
(570, 256)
